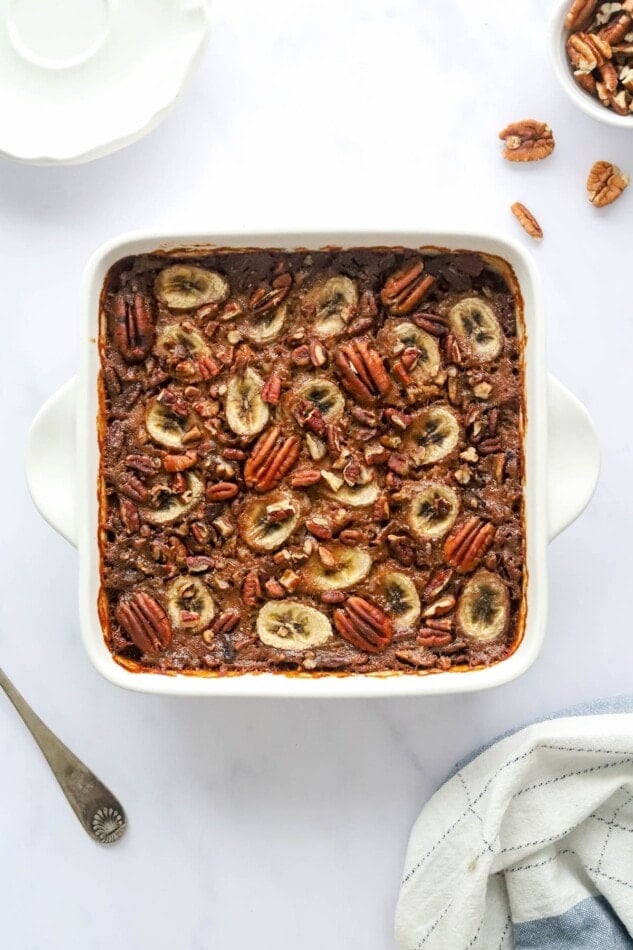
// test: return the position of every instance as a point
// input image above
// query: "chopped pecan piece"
(363, 625)
(134, 326)
(405, 290)
(180, 463)
(145, 622)
(362, 371)
(271, 459)
(527, 141)
(466, 546)
(251, 588)
(527, 220)
(227, 620)
(605, 183)
(129, 515)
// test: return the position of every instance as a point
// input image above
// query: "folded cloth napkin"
(528, 845)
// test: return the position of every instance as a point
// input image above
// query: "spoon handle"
(97, 809)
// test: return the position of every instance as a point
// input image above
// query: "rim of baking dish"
(281, 685)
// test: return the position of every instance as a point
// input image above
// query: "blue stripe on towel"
(590, 925)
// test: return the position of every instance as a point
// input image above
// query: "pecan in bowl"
(592, 46)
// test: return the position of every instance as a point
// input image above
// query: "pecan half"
(134, 326)
(466, 546)
(362, 371)
(271, 459)
(580, 14)
(262, 300)
(221, 491)
(145, 622)
(587, 51)
(617, 28)
(363, 625)
(405, 289)
(605, 183)
(432, 323)
(527, 220)
(527, 141)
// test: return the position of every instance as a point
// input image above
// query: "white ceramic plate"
(561, 451)
(81, 78)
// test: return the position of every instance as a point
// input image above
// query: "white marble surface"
(283, 824)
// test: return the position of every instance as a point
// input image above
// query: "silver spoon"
(95, 806)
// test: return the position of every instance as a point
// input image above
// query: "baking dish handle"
(51, 462)
(573, 458)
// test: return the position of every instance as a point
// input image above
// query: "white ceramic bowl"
(561, 453)
(564, 74)
(81, 78)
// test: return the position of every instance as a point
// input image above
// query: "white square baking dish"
(562, 461)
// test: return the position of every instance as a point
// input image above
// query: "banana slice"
(246, 411)
(357, 496)
(267, 522)
(335, 303)
(351, 566)
(291, 625)
(428, 363)
(267, 327)
(190, 606)
(432, 511)
(326, 396)
(176, 341)
(185, 287)
(474, 324)
(400, 599)
(483, 610)
(175, 507)
(432, 436)
(165, 427)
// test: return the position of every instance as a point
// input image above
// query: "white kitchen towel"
(528, 845)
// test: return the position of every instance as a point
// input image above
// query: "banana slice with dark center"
(165, 427)
(428, 362)
(325, 396)
(190, 605)
(399, 596)
(173, 507)
(177, 342)
(483, 610)
(335, 304)
(246, 411)
(186, 287)
(476, 328)
(267, 327)
(432, 436)
(346, 567)
(290, 625)
(267, 522)
(432, 511)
